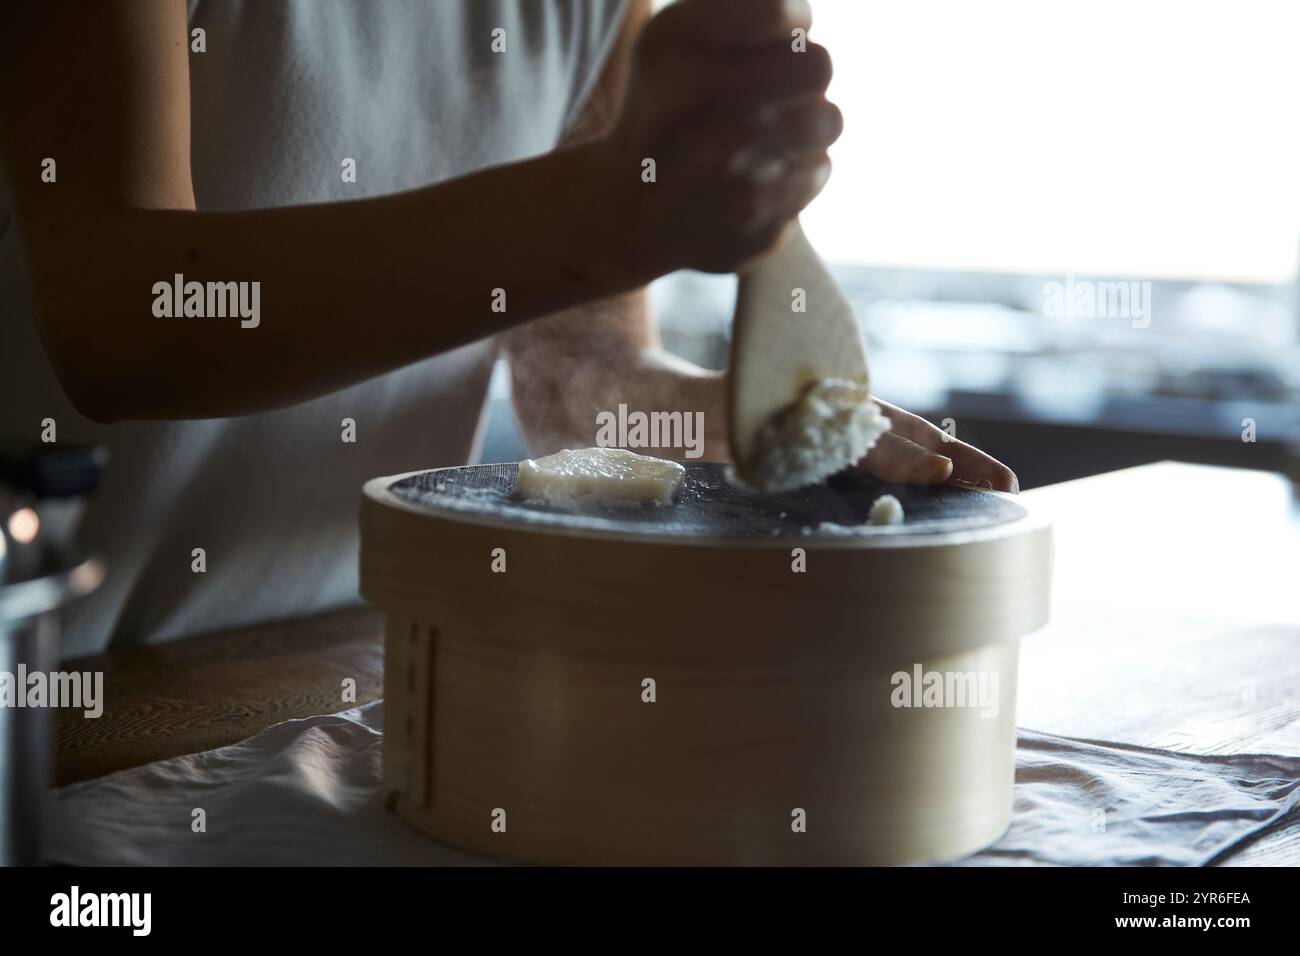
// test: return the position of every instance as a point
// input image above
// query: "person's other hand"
(916, 452)
(737, 124)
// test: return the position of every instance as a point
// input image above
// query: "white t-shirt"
(286, 90)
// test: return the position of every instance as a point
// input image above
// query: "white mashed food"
(600, 476)
(832, 425)
(833, 530)
(885, 510)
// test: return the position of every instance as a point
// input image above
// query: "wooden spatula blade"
(777, 351)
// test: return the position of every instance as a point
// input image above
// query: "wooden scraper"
(778, 351)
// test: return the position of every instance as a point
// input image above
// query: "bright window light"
(1153, 138)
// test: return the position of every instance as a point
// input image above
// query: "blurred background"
(1072, 229)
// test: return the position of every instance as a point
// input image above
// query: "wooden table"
(1176, 624)
(1175, 618)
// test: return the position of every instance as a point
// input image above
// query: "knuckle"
(817, 63)
(833, 120)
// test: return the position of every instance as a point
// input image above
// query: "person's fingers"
(769, 78)
(895, 458)
(784, 193)
(736, 24)
(911, 426)
(794, 133)
(716, 140)
(971, 468)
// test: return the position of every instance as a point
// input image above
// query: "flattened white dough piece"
(832, 425)
(600, 476)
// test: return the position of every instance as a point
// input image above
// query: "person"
(385, 198)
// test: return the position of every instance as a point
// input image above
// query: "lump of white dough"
(600, 476)
(832, 425)
(885, 510)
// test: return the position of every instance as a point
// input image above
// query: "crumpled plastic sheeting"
(1090, 803)
(302, 792)
(308, 792)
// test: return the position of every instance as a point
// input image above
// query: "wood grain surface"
(521, 686)
(215, 689)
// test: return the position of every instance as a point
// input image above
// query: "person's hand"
(916, 452)
(737, 126)
(912, 452)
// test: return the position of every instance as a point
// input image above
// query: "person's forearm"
(348, 290)
(654, 382)
(570, 373)
(665, 382)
